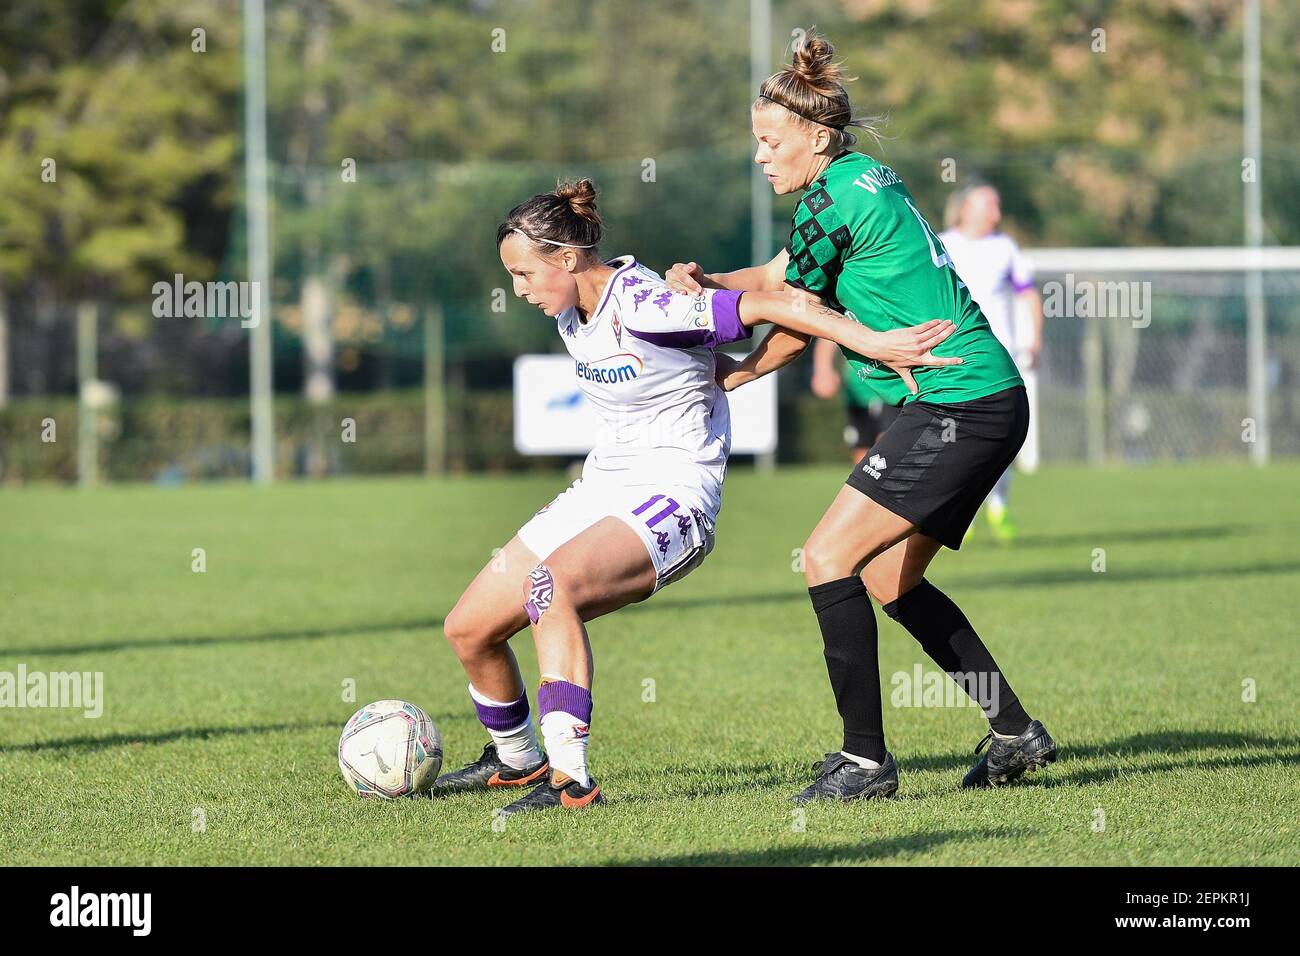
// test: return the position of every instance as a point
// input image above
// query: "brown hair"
(812, 88)
(566, 217)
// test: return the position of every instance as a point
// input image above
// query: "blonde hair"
(812, 88)
(957, 201)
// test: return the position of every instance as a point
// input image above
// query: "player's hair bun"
(581, 197)
(566, 217)
(814, 63)
(812, 88)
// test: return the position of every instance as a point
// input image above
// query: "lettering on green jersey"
(860, 243)
(878, 178)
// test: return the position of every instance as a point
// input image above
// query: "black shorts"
(866, 422)
(937, 463)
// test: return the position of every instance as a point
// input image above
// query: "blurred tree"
(1103, 122)
(452, 111)
(120, 143)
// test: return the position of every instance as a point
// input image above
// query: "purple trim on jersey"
(1022, 286)
(688, 339)
(562, 696)
(503, 717)
(609, 286)
(726, 317)
(727, 327)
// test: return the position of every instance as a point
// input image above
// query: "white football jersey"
(644, 359)
(993, 268)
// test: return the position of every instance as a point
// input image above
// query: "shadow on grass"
(1044, 577)
(703, 781)
(163, 737)
(1011, 580)
(1054, 577)
(1279, 750)
(306, 634)
(698, 781)
(1076, 778)
(1174, 742)
(1133, 535)
(872, 851)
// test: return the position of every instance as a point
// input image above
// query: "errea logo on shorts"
(609, 371)
(875, 465)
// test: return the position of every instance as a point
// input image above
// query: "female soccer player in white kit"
(994, 269)
(642, 515)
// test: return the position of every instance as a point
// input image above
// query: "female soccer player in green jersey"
(859, 243)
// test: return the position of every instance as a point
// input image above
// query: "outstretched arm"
(690, 277)
(778, 349)
(900, 349)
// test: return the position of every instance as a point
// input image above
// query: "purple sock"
(500, 717)
(563, 696)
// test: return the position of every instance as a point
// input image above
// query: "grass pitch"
(1169, 679)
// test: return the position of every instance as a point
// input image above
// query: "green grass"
(224, 689)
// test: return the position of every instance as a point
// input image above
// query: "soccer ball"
(390, 749)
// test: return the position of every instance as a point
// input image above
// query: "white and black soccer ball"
(390, 749)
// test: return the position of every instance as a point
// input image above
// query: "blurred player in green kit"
(867, 414)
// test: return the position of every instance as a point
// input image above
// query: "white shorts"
(677, 531)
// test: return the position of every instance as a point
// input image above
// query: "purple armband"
(726, 317)
(727, 327)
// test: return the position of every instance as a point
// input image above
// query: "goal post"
(1154, 353)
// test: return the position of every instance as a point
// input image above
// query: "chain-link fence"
(1166, 378)
(399, 135)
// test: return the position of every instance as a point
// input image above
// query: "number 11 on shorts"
(669, 508)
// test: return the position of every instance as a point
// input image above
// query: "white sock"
(862, 762)
(516, 747)
(1001, 494)
(566, 744)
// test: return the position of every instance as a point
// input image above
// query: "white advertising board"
(552, 417)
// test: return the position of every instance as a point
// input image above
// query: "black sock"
(944, 633)
(849, 632)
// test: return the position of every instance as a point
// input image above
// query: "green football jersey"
(860, 243)
(857, 393)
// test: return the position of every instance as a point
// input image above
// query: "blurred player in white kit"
(999, 276)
